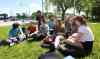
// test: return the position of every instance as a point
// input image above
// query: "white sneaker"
(11, 44)
(69, 57)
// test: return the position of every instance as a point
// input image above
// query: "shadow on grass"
(3, 43)
(51, 55)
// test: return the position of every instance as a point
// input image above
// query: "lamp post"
(74, 6)
(42, 6)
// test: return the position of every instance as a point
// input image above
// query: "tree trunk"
(63, 14)
(87, 13)
(79, 12)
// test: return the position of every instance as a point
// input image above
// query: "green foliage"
(48, 14)
(62, 5)
(96, 10)
(47, 5)
(23, 16)
(33, 15)
(80, 5)
(84, 5)
(18, 16)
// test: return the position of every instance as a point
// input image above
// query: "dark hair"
(38, 11)
(80, 19)
(15, 25)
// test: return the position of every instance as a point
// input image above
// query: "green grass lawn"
(26, 50)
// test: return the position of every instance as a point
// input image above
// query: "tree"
(18, 16)
(62, 5)
(95, 10)
(33, 15)
(46, 6)
(78, 5)
(24, 16)
(88, 7)
(84, 5)
(3, 16)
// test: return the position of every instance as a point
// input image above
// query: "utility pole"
(42, 6)
(74, 7)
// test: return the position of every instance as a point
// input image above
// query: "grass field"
(26, 50)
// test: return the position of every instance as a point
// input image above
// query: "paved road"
(11, 22)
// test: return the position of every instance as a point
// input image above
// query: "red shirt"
(32, 29)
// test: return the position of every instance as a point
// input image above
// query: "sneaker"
(69, 57)
(11, 44)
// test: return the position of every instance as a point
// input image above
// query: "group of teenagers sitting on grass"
(71, 36)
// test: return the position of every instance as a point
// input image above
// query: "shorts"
(88, 45)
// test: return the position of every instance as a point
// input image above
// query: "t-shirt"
(44, 29)
(14, 32)
(87, 33)
(51, 25)
(40, 19)
(32, 29)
